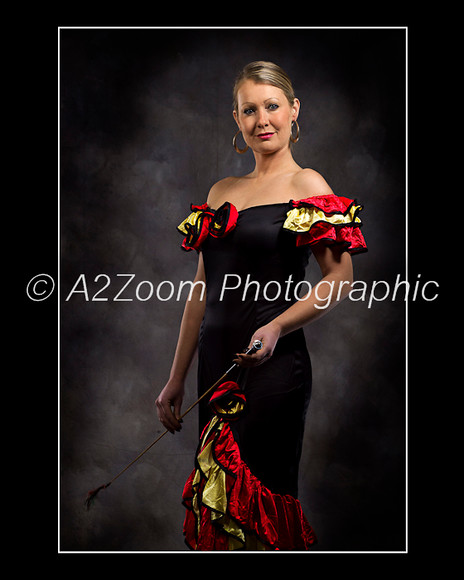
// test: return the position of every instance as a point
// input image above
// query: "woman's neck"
(273, 163)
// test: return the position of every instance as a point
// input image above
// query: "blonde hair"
(264, 72)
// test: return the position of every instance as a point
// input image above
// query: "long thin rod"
(216, 384)
(257, 345)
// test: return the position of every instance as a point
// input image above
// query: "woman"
(253, 242)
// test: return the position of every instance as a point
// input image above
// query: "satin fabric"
(327, 219)
(253, 253)
(257, 250)
(228, 508)
(335, 219)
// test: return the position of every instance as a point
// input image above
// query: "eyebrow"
(265, 101)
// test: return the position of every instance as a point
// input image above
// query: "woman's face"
(265, 116)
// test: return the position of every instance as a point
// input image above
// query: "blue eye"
(248, 111)
(273, 106)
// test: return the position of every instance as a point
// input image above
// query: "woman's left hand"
(268, 335)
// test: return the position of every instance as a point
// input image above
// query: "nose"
(263, 120)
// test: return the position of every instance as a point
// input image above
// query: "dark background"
(146, 129)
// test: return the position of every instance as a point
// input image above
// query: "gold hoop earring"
(296, 138)
(234, 143)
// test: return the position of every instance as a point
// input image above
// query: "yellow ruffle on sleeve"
(191, 220)
(326, 218)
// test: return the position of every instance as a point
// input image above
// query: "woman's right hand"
(169, 403)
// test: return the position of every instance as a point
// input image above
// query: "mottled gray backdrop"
(146, 129)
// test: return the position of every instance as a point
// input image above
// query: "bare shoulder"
(220, 190)
(308, 183)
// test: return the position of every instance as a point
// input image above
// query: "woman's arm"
(169, 401)
(337, 276)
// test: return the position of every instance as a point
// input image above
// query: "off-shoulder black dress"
(255, 262)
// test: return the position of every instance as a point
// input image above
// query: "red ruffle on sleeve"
(327, 219)
(204, 221)
(228, 508)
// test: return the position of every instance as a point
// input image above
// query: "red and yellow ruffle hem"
(228, 508)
